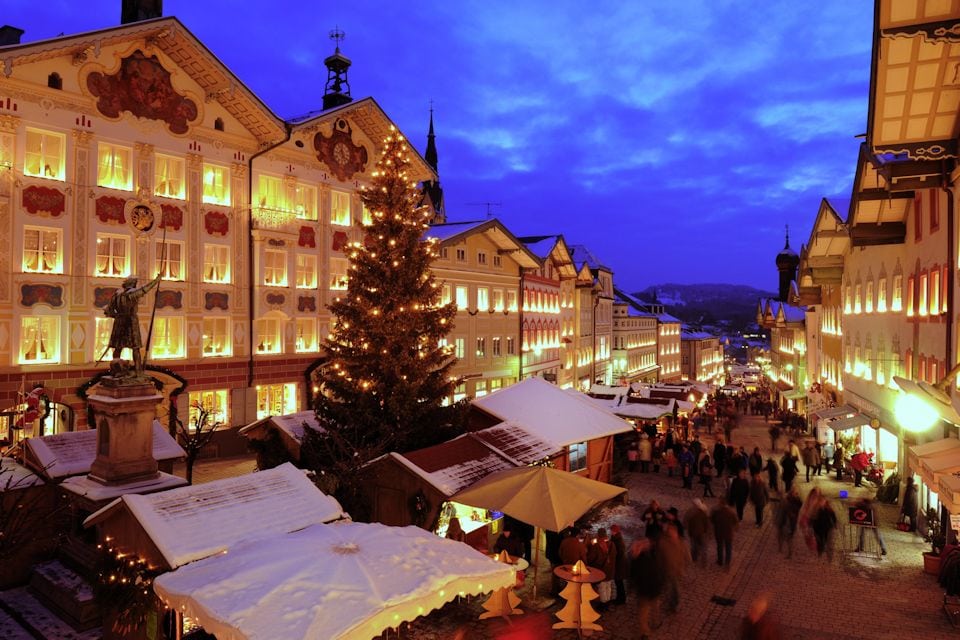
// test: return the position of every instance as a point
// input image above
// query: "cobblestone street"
(851, 596)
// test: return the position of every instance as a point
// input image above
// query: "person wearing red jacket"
(859, 463)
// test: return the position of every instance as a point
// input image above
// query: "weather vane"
(337, 35)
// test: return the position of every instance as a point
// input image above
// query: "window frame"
(171, 322)
(306, 271)
(128, 258)
(209, 191)
(181, 193)
(60, 175)
(300, 345)
(216, 323)
(213, 247)
(114, 182)
(45, 336)
(340, 217)
(274, 268)
(164, 267)
(40, 251)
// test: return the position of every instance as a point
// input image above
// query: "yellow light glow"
(915, 414)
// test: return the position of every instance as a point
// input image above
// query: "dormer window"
(218, 124)
(54, 81)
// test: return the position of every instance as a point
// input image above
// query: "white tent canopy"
(345, 580)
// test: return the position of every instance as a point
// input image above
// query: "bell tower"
(787, 263)
(432, 191)
(337, 90)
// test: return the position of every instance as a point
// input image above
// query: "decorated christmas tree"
(387, 381)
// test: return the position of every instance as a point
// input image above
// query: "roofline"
(482, 227)
(139, 26)
(874, 69)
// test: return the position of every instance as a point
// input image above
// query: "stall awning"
(926, 391)
(796, 394)
(937, 447)
(784, 386)
(932, 468)
(843, 424)
(949, 491)
(833, 412)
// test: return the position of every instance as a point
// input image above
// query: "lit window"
(101, 351)
(847, 305)
(113, 167)
(216, 337)
(268, 336)
(481, 347)
(445, 295)
(366, 216)
(167, 338)
(340, 208)
(216, 402)
(461, 255)
(896, 304)
(459, 347)
(481, 257)
(511, 346)
(41, 250)
(168, 177)
(444, 253)
(483, 298)
(935, 292)
(461, 297)
(169, 260)
(306, 335)
(497, 261)
(339, 268)
(868, 301)
(910, 296)
(923, 294)
(39, 339)
(270, 193)
(495, 384)
(944, 296)
(276, 400)
(496, 347)
(480, 389)
(578, 456)
(44, 155)
(306, 271)
(511, 300)
(856, 299)
(274, 268)
(113, 256)
(459, 392)
(882, 296)
(216, 184)
(306, 201)
(498, 299)
(216, 263)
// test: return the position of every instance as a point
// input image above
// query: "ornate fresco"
(171, 218)
(216, 300)
(37, 199)
(169, 298)
(216, 223)
(307, 237)
(306, 303)
(110, 209)
(142, 86)
(31, 294)
(339, 153)
(102, 295)
(275, 299)
(340, 240)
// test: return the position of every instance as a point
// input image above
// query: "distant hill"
(733, 306)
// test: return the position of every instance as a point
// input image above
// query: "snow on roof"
(581, 254)
(695, 335)
(793, 313)
(455, 464)
(636, 410)
(347, 580)
(550, 413)
(15, 476)
(607, 390)
(666, 318)
(450, 229)
(292, 424)
(518, 444)
(73, 452)
(197, 521)
(541, 247)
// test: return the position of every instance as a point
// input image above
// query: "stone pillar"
(124, 414)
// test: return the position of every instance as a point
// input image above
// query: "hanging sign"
(955, 522)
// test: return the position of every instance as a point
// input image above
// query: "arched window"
(218, 124)
(54, 81)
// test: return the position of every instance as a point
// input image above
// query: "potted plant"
(935, 536)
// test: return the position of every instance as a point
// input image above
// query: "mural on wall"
(340, 240)
(306, 303)
(169, 298)
(216, 223)
(339, 153)
(215, 300)
(102, 295)
(31, 294)
(307, 237)
(46, 200)
(143, 87)
(275, 299)
(171, 217)
(110, 209)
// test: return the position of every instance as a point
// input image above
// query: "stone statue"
(126, 327)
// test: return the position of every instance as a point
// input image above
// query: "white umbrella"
(343, 580)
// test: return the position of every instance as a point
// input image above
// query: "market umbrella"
(345, 580)
(542, 496)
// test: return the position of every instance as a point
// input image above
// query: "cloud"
(802, 121)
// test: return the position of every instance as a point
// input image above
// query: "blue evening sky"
(675, 139)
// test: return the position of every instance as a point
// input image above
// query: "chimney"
(137, 10)
(9, 35)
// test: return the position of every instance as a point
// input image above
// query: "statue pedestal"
(124, 411)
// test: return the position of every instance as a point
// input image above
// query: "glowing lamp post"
(914, 413)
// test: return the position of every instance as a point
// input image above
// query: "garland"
(125, 585)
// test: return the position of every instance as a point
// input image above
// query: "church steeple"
(787, 263)
(432, 191)
(337, 90)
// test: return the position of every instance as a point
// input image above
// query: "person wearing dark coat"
(687, 466)
(788, 465)
(724, 521)
(908, 508)
(759, 496)
(719, 457)
(773, 474)
(572, 548)
(620, 565)
(647, 582)
(739, 493)
(506, 542)
(755, 463)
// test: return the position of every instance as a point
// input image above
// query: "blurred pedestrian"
(908, 508)
(774, 437)
(686, 462)
(697, 522)
(824, 523)
(739, 492)
(653, 517)
(788, 469)
(755, 463)
(572, 548)
(773, 474)
(788, 514)
(455, 531)
(838, 461)
(600, 555)
(759, 623)
(706, 474)
(645, 453)
(672, 560)
(759, 496)
(633, 455)
(807, 456)
(620, 566)
(647, 583)
(724, 521)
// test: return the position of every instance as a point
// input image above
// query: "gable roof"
(454, 465)
(551, 413)
(552, 247)
(455, 232)
(194, 522)
(170, 36)
(582, 254)
(73, 452)
(517, 443)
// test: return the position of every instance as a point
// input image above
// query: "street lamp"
(922, 404)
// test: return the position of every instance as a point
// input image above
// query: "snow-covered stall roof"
(340, 581)
(197, 521)
(292, 424)
(607, 390)
(551, 413)
(15, 476)
(517, 443)
(73, 452)
(636, 410)
(455, 464)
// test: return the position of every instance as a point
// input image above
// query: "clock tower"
(337, 90)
